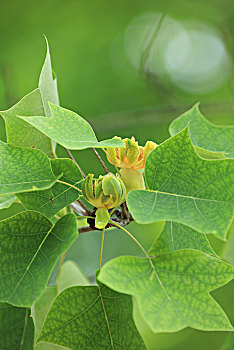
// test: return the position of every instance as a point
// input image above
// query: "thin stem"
(101, 249)
(135, 240)
(72, 158)
(59, 272)
(101, 161)
(84, 217)
(113, 210)
(66, 183)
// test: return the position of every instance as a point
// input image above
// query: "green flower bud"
(104, 193)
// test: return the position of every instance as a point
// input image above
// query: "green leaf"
(15, 208)
(6, 200)
(30, 247)
(69, 130)
(173, 292)
(91, 317)
(16, 328)
(49, 346)
(50, 201)
(205, 134)
(41, 307)
(71, 276)
(186, 188)
(187, 338)
(48, 85)
(205, 154)
(21, 134)
(23, 169)
(176, 237)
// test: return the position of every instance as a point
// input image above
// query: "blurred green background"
(115, 66)
(129, 67)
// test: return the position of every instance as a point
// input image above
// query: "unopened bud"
(104, 193)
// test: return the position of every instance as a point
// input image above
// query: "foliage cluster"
(184, 187)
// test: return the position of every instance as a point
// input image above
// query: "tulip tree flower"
(104, 193)
(131, 159)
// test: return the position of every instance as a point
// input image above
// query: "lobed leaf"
(95, 317)
(52, 200)
(186, 188)
(16, 328)
(172, 290)
(70, 276)
(30, 247)
(69, 130)
(205, 134)
(176, 237)
(23, 169)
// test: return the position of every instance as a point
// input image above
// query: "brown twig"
(101, 161)
(120, 222)
(125, 210)
(84, 229)
(72, 158)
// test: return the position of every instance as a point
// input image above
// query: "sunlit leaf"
(173, 292)
(205, 154)
(217, 138)
(19, 133)
(47, 84)
(186, 188)
(187, 338)
(69, 130)
(177, 236)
